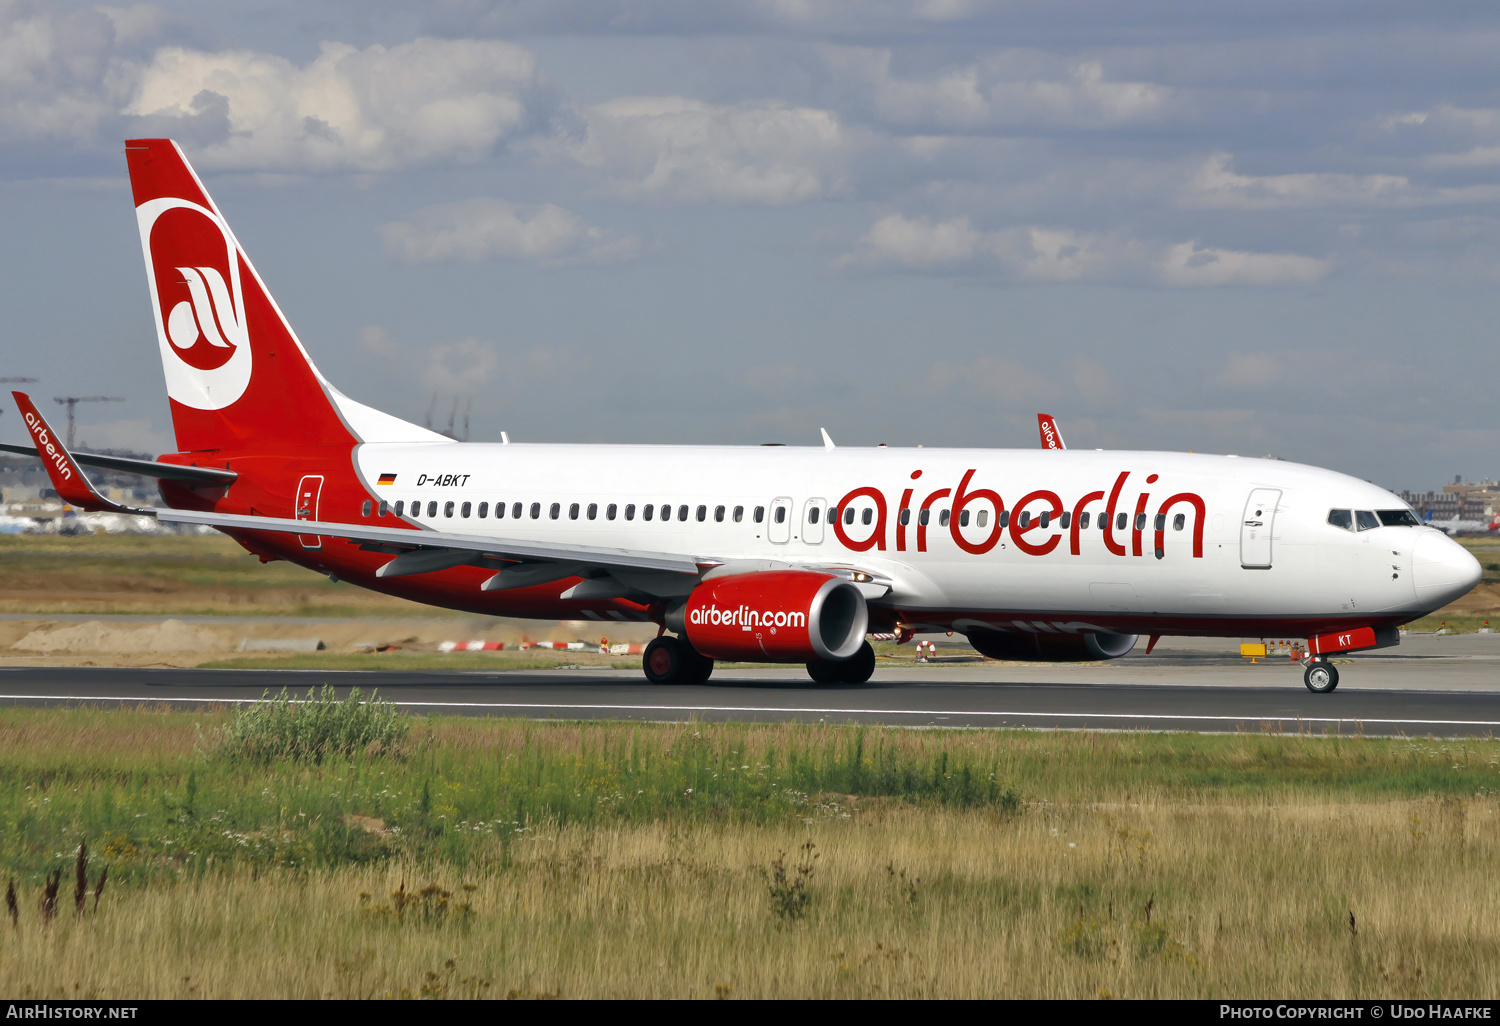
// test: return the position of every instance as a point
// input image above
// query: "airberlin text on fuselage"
(1031, 533)
(45, 446)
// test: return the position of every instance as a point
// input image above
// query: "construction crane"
(70, 401)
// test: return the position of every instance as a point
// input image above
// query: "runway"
(934, 697)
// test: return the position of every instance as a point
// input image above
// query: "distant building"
(1474, 500)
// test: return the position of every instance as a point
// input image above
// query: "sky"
(1254, 227)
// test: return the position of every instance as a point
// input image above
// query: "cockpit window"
(1398, 518)
(1365, 519)
(1341, 518)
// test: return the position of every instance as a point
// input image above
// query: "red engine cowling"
(1050, 648)
(791, 616)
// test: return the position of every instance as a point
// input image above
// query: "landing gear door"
(305, 507)
(1255, 528)
(779, 530)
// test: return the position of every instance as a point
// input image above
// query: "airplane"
(1455, 526)
(751, 553)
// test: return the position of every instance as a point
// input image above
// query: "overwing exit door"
(1255, 528)
(309, 489)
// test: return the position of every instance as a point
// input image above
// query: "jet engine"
(1050, 648)
(791, 616)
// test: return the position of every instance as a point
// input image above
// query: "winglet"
(827, 440)
(1051, 437)
(72, 485)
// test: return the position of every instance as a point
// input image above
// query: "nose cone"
(1442, 570)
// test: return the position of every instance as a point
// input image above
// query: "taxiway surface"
(1443, 687)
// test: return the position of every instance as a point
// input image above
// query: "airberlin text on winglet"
(46, 448)
(1022, 523)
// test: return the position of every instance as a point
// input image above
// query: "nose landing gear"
(1321, 676)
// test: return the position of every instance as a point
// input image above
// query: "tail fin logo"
(193, 266)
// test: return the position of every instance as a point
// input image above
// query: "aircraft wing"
(146, 468)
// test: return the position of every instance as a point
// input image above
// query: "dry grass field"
(507, 859)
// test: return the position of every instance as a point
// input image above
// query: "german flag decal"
(386, 479)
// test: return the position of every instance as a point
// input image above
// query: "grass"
(495, 858)
(498, 857)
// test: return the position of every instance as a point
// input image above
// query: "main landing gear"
(1321, 676)
(854, 670)
(670, 660)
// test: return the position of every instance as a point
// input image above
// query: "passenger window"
(1121, 521)
(432, 509)
(630, 511)
(905, 517)
(1161, 521)
(1046, 517)
(593, 511)
(536, 511)
(1140, 521)
(702, 514)
(833, 514)
(648, 511)
(610, 511)
(812, 514)
(718, 514)
(963, 518)
(447, 509)
(484, 510)
(499, 511)
(1083, 521)
(923, 516)
(465, 510)
(781, 514)
(867, 517)
(760, 514)
(848, 514)
(1025, 521)
(682, 512)
(1179, 521)
(1341, 518)
(384, 508)
(400, 504)
(515, 511)
(943, 517)
(1063, 520)
(1365, 520)
(983, 518)
(573, 511)
(555, 510)
(1005, 518)
(364, 510)
(739, 513)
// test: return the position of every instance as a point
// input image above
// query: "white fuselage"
(1268, 556)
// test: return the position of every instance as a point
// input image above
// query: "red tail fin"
(237, 376)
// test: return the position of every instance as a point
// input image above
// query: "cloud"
(347, 109)
(1045, 254)
(460, 367)
(992, 93)
(487, 229)
(1185, 265)
(675, 149)
(62, 77)
(1251, 370)
(991, 378)
(1214, 184)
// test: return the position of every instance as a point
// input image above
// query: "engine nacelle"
(781, 616)
(1024, 646)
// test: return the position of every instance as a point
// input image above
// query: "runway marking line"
(1175, 717)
